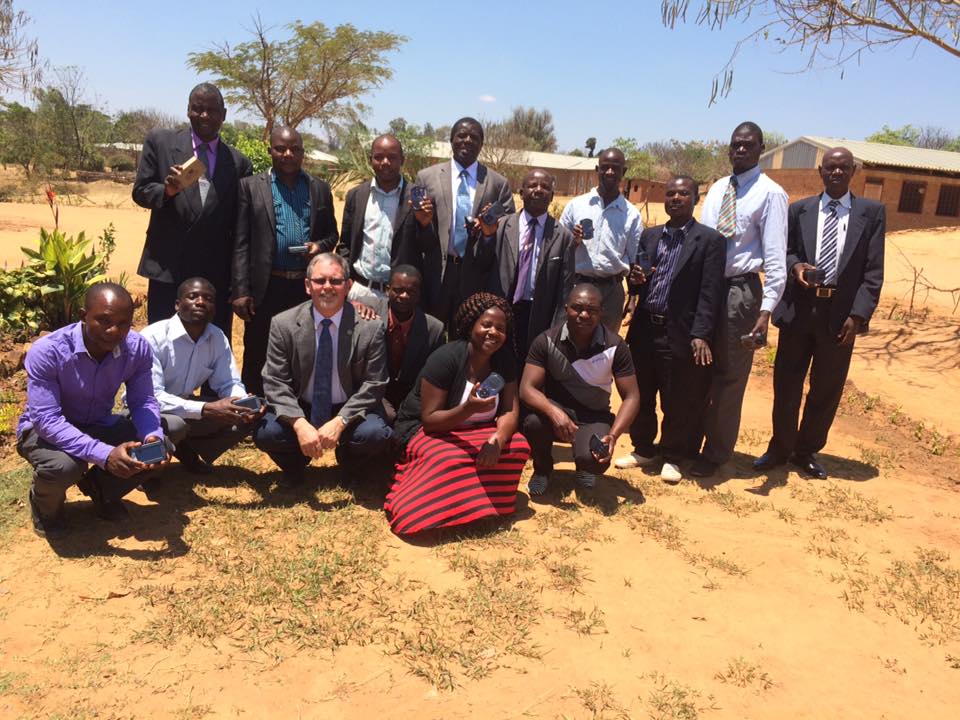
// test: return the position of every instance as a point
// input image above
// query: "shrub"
(21, 315)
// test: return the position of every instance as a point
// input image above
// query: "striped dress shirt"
(291, 207)
(666, 260)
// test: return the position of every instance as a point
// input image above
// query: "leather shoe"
(46, 527)
(703, 468)
(191, 461)
(808, 465)
(768, 461)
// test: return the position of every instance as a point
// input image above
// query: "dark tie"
(204, 157)
(727, 219)
(828, 245)
(321, 409)
(525, 260)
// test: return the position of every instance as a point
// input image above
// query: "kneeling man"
(188, 352)
(73, 375)
(324, 378)
(566, 388)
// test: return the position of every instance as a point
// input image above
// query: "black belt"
(743, 277)
(824, 292)
(455, 259)
(597, 279)
(657, 319)
(289, 274)
(372, 284)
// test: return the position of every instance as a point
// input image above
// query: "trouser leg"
(794, 352)
(684, 402)
(582, 456)
(651, 358)
(366, 440)
(211, 439)
(53, 472)
(538, 430)
(161, 297)
(279, 441)
(613, 295)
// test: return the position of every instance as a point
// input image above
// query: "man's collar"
(396, 191)
(844, 200)
(393, 321)
(80, 345)
(471, 171)
(528, 218)
(618, 202)
(197, 142)
(276, 178)
(176, 330)
(598, 336)
(685, 228)
(748, 176)
(317, 317)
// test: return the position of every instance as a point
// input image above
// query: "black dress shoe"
(192, 462)
(808, 465)
(768, 461)
(703, 468)
(110, 510)
(292, 478)
(46, 527)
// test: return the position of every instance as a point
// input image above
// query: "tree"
(577, 152)
(70, 124)
(534, 125)
(827, 32)
(19, 141)
(938, 138)
(314, 74)
(704, 161)
(132, 126)
(591, 146)
(906, 135)
(353, 152)
(20, 66)
(640, 164)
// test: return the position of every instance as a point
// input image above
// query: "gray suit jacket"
(291, 353)
(492, 187)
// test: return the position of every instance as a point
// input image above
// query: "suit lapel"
(360, 201)
(404, 208)
(415, 343)
(344, 347)
(314, 193)
(690, 243)
(481, 189)
(183, 153)
(266, 197)
(550, 237)
(809, 216)
(858, 221)
(306, 341)
(445, 209)
(511, 252)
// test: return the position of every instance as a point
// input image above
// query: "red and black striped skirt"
(439, 484)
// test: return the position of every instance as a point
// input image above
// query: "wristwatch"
(343, 420)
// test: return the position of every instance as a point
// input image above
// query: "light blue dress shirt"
(616, 234)
(760, 241)
(378, 219)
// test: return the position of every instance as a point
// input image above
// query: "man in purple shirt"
(191, 230)
(73, 375)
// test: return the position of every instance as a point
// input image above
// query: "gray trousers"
(732, 363)
(54, 470)
(209, 439)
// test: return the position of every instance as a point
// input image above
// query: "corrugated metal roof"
(323, 157)
(525, 158)
(881, 154)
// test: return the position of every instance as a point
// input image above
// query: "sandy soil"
(746, 596)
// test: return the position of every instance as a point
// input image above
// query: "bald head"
(285, 132)
(110, 293)
(836, 171)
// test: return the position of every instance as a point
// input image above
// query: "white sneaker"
(670, 473)
(626, 462)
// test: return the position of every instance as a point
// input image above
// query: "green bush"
(21, 314)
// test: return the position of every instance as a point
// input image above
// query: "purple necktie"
(523, 266)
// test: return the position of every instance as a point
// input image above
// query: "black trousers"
(807, 344)
(538, 430)
(521, 332)
(161, 297)
(281, 294)
(683, 389)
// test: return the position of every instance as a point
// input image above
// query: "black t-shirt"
(446, 368)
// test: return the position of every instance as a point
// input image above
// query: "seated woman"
(464, 455)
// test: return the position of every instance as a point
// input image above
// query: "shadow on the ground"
(479, 529)
(608, 496)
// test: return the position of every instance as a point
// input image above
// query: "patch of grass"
(953, 661)
(582, 622)
(721, 563)
(14, 683)
(787, 515)
(599, 700)
(752, 438)
(880, 459)
(671, 700)
(743, 673)
(731, 502)
(570, 525)
(567, 576)
(14, 486)
(841, 503)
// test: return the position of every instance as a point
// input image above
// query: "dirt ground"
(742, 597)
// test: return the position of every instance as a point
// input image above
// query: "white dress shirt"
(760, 240)
(455, 169)
(337, 395)
(180, 366)
(378, 219)
(525, 219)
(843, 221)
(616, 234)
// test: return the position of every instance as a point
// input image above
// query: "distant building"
(920, 188)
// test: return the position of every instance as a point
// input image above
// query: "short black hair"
(102, 288)
(617, 150)
(696, 185)
(751, 127)
(182, 287)
(587, 288)
(408, 270)
(466, 121)
(206, 88)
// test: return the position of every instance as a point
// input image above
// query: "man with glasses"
(284, 218)
(565, 391)
(324, 378)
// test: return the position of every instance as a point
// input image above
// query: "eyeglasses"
(335, 282)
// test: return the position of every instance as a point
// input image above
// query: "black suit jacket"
(494, 264)
(409, 240)
(859, 270)
(256, 231)
(185, 238)
(697, 290)
(426, 335)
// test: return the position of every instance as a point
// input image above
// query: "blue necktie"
(463, 210)
(321, 408)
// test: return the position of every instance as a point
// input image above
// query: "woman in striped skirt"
(464, 455)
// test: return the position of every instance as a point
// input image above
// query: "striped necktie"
(827, 261)
(727, 220)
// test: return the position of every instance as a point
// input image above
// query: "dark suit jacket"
(492, 187)
(426, 335)
(185, 238)
(256, 231)
(495, 262)
(859, 271)
(292, 351)
(697, 290)
(409, 240)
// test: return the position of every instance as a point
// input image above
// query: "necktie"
(321, 408)
(463, 210)
(828, 245)
(727, 220)
(204, 182)
(524, 262)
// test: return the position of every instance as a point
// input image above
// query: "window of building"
(911, 197)
(948, 204)
(873, 188)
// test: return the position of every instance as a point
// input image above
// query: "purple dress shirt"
(211, 150)
(67, 390)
